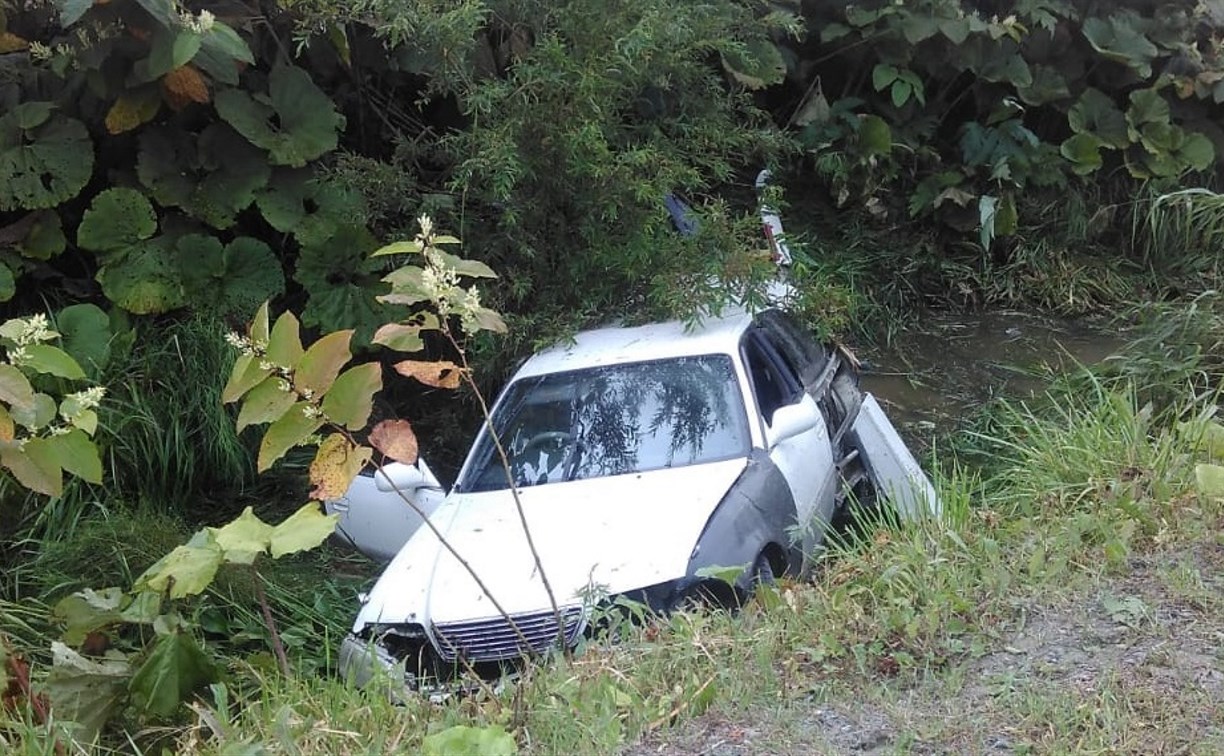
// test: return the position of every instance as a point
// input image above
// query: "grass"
(1068, 601)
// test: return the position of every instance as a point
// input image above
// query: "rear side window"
(805, 355)
(773, 381)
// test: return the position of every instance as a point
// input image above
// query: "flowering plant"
(42, 437)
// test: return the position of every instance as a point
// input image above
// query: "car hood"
(601, 535)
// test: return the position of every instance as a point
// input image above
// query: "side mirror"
(791, 420)
(398, 476)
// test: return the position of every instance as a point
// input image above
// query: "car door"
(805, 459)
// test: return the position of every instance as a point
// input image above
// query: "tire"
(762, 572)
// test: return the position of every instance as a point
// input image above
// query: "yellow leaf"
(184, 85)
(10, 42)
(440, 374)
(335, 465)
(7, 428)
(130, 111)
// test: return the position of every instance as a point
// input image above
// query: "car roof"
(619, 344)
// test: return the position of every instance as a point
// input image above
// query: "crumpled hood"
(607, 535)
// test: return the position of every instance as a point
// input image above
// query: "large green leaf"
(875, 137)
(292, 429)
(15, 388)
(175, 669)
(166, 163)
(243, 538)
(186, 571)
(487, 741)
(285, 341)
(265, 403)
(1095, 114)
(226, 41)
(351, 398)
(8, 284)
(71, 10)
(145, 279)
(295, 123)
(85, 333)
(116, 220)
(1084, 152)
(341, 283)
(1048, 85)
(44, 358)
(233, 171)
(35, 466)
(85, 692)
(220, 53)
(1146, 106)
(1120, 37)
(474, 268)
(45, 238)
(44, 160)
(36, 415)
(756, 64)
(77, 454)
(212, 178)
(86, 611)
(995, 60)
(303, 530)
(171, 47)
(322, 362)
(228, 280)
(312, 209)
(400, 336)
(1198, 152)
(246, 375)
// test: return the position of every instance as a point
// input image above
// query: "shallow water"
(940, 371)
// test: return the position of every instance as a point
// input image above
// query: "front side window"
(611, 420)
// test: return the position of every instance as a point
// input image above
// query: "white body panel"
(806, 461)
(601, 535)
(894, 471)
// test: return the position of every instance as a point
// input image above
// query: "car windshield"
(614, 419)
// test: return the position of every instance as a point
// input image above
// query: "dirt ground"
(1132, 664)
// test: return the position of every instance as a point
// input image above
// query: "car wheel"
(762, 572)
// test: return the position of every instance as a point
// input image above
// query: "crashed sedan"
(641, 457)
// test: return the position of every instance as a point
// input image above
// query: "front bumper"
(365, 661)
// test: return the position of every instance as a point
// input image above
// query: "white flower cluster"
(246, 345)
(426, 224)
(24, 332)
(441, 282)
(89, 398)
(40, 52)
(32, 330)
(201, 24)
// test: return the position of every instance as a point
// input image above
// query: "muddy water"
(940, 371)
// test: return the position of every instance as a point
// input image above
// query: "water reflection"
(615, 419)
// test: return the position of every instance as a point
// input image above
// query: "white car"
(641, 456)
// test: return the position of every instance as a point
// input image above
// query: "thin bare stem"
(451, 550)
(518, 504)
(277, 647)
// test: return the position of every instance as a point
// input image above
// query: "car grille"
(494, 639)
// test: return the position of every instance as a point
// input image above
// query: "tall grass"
(168, 439)
(1182, 234)
(168, 444)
